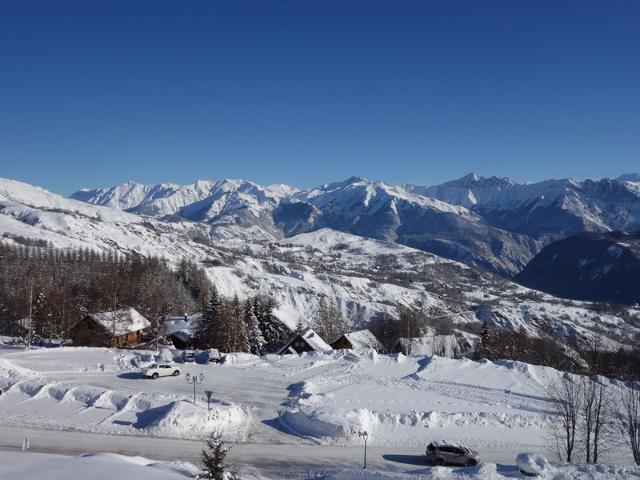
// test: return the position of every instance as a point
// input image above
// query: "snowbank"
(91, 408)
(186, 419)
(488, 471)
(97, 466)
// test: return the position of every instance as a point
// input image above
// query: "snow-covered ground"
(310, 399)
(293, 416)
(99, 466)
(107, 466)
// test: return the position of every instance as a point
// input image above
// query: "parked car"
(214, 356)
(445, 453)
(188, 356)
(161, 370)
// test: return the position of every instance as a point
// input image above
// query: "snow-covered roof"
(182, 335)
(120, 322)
(361, 340)
(313, 340)
(442, 345)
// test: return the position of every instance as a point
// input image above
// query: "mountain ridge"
(492, 222)
(361, 276)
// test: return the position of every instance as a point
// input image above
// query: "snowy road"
(261, 456)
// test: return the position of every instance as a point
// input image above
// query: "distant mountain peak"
(629, 177)
(470, 177)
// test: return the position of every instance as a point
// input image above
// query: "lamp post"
(364, 435)
(194, 380)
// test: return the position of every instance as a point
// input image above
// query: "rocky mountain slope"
(594, 266)
(361, 276)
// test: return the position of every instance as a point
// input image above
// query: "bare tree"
(566, 399)
(596, 413)
(628, 418)
(328, 320)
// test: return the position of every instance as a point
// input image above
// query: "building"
(360, 340)
(120, 328)
(17, 328)
(306, 341)
(182, 339)
(181, 330)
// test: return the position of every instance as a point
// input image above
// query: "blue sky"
(307, 92)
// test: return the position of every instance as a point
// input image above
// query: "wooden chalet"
(120, 328)
(305, 341)
(360, 340)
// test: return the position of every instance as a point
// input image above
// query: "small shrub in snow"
(213, 458)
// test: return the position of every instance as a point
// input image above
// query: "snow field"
(401, 401)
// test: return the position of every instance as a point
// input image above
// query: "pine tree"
(253, 335)
(236, 327)
(213, 458)
(207, 335)
(275, 333)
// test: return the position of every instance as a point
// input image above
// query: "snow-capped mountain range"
(547, 210)
(491, 222)
(353, 242)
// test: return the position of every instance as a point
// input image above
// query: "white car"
(161, 370)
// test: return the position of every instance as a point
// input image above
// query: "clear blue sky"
(304, 92)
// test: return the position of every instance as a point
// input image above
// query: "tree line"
(56, 288)
(231, 326)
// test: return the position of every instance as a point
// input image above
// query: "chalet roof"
(313, 340)
(120, 322)
(361, 340)
(182, 335)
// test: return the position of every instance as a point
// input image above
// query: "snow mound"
(184, 417)
(92, 408)
(96, 466)
(532, 464)
(339, 426)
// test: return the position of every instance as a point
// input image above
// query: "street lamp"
(364, 435)
(194, 380)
